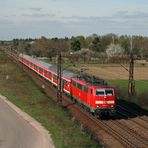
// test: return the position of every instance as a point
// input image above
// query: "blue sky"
(61, 18)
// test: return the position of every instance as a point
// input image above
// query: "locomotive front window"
(100, 93)
(104, 92)
(109, 92)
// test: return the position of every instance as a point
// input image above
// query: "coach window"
(41, 69)
(55, 77)
(45, 72)
(49, 74)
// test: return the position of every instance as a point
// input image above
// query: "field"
(19, 89)
(113, 71)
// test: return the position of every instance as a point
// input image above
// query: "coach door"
(90, 96)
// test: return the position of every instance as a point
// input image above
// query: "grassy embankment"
(19, 89)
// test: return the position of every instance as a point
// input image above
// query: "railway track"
(124, 136)
(127, 136)
(138, 123)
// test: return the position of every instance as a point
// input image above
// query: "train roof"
(65, 74)
(90, 80)
(35, 60)
(68, 75)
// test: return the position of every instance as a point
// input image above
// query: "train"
(94, 94)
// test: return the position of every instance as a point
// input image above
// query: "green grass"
(20, 90)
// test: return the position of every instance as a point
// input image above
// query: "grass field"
(19, 89)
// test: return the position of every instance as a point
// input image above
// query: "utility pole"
(59, 78)
(131, 83)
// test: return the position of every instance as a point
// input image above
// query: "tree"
(95, 45)
(81, 39)
(49, 47)
(2, 43)
(114, 50)
(85, 53)
(125, 44)
(107, 39)
(88, 42)
(75, 44)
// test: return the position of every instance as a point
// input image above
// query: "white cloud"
(35, 9)
(5, 22)
(38, 15)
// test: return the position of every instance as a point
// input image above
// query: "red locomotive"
(90, 92)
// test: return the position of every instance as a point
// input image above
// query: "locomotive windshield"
(100, 92)
(104, 92)
(109, 92)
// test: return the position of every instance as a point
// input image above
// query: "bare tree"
(114, 51)
(85, 54)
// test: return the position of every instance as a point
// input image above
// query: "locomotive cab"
(104, 101)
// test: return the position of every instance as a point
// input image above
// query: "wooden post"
(59, 79)
(131, 83)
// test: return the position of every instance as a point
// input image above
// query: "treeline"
(94, 44)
